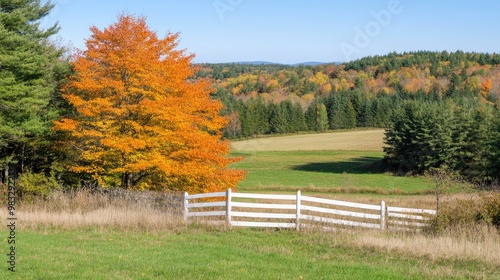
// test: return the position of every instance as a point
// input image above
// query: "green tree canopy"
(29, 62)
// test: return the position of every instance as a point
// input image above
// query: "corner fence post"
(228, 206)
(382, 215)
(297, 223)
(186, 210)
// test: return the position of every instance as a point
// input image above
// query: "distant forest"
(266, 99)
(439, 109)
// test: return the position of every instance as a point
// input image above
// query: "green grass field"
(219, 254)
(324, 171)
(272, 166)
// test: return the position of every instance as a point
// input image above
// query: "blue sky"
(295, 30)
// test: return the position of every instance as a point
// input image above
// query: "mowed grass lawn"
(217, 254)
(324, 171)
(348, 161)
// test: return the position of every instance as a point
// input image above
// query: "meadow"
(345, 163)
(95, 236)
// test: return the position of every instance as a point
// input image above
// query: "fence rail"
(297, 211)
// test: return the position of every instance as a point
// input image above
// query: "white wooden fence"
(297, 211)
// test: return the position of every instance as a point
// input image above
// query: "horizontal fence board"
(411, 210)
(405, 216)
(340, 203)
(263, 224)
(206, 204)
(263, 215)
(339, 212)
(265, 196)
(205, 195)
(263, 205)
(339, 222)
(207, 213)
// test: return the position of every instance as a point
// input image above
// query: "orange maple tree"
(140, 120)
(486, 87)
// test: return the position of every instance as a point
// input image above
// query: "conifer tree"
(278, 119)
(317, 117)
(29, 63)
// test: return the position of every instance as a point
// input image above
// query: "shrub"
(468, 212)
(36, 185)
(3, 193)
(455, 214)
(490, 210)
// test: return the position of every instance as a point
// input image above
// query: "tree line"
(459, 135)
(337, 111)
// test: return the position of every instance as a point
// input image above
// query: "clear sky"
(292, 31)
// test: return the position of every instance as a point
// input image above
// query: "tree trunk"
(127, 180)
(6, 174)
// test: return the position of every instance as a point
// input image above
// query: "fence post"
(382, 215)
(186, 210)
(297, 223)
(228, 206)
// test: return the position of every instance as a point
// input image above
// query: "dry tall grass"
(479, 243)
(124, 210)
(460, 236)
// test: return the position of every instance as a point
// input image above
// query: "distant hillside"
(428, 72)
(257, 63)
(310, 63)
(276, 98)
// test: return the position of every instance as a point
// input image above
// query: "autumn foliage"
(140, 120)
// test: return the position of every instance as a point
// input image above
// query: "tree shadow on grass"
(361, 165)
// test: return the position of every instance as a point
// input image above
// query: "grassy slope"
(346, 161)
(236, 254)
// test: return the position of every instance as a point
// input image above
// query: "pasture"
(332, 163)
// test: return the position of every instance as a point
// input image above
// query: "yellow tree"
(486, 87)
(140, 120)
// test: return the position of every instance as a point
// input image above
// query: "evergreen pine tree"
(317, 117)
(350, 115)
(321, 117)
(28, 80)
(278, 122)
(299, 118)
